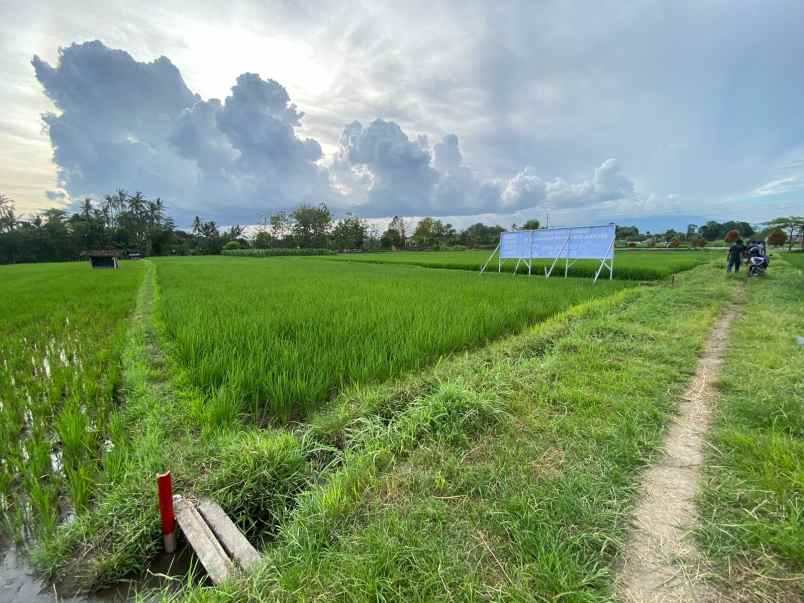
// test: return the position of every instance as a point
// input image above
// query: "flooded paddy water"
(20, 584)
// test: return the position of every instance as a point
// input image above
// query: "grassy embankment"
(196, 338)
(507, 473)
(752, 510)
(628, 265)
(62, 329)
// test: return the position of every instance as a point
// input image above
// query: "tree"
(7, 216)
(431, 233)
(791, 224)
(777, 237)
(627, 233)
(479, 234)
(280, 225)
(311, 225)
(531, 224)
(394, 236)
(349, 233)
(263, 240)
(711, 231)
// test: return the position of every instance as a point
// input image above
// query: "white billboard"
(582, 243)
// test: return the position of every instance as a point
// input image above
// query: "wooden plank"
(206, 546)
(228, 534)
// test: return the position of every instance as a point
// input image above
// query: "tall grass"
(277, 338)
(628, 265)
(61, 330)
(752, 507)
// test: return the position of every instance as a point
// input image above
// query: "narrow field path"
(661, 562)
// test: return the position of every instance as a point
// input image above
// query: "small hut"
(103, 258)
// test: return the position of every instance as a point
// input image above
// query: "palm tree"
(7, 217)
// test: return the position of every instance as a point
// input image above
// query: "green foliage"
(531, 224)
(277, 251)
(231, 245)
(282, 339)
(311, 225)
(62, 331)
(527, 502)
(628, 265)
(777, 237)
(754, 482)
(431, 233)
(256, 476)
(350, 233)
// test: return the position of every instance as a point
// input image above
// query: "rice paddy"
(279, 337)
(395, 398)
(628, 265)
(61, 329)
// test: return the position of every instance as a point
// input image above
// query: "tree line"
(133, 223)
(777, 231)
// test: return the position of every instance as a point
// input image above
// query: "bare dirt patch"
(661, 562)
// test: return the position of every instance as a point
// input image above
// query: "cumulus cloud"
(393, 175)
(135, 125)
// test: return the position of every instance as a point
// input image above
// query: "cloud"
(135, 125)
(391, 174)
(778, 187)
(58, 196)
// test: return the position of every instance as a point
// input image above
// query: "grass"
(752, 510)
(628, 265)
(279, 337)
(504, 471)
(209, 438)
(795, 258)
(507, 473)
(62, 329)
(259, 253)
(252, 472)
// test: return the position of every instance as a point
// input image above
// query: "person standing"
(735, 256)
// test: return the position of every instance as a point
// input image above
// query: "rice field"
(278, 337)
(628, 265)
(61, 330)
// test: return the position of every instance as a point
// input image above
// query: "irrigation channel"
(19, 584)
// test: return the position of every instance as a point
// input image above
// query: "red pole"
(165, 486)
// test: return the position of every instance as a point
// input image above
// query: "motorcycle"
(757, 259)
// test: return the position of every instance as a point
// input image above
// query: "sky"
(653, 113)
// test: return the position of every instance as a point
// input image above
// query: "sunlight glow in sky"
(644, 112)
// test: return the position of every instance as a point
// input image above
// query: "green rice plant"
(267, 253)
(628, 265)
(278, 338)
(61, 329)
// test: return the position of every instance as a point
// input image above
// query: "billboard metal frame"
(606, 262)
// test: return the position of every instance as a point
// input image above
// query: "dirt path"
(660, 561)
